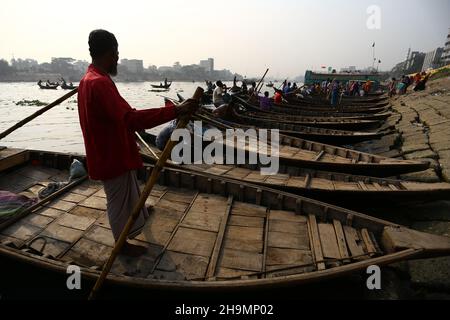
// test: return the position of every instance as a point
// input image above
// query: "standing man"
(108, 124)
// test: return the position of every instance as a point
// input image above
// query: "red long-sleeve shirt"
(108, 124)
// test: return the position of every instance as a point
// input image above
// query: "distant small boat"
(162, 86)
(270, 85)
(66, 86)
(48, 86)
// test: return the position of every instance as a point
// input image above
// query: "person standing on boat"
(108, 124)
(252, 89)
(278, 98)
(218, 94)
(264, 102)
(334, 93)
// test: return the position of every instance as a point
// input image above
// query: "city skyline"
(286, 36)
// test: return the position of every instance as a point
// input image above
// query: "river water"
(58, 129)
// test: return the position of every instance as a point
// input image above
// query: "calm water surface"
(58, 129)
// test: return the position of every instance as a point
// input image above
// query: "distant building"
(314, 77)
(415, 62)
(207, 65)
(24, 64)
(133, 65)
(350, 69)
(446, 53)
(433, 59)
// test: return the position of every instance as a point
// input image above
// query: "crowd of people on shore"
(400, 87)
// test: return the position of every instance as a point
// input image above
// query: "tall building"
(415, 62)
(433, 59)
(133, 65)
(208, 65)
(446, 54)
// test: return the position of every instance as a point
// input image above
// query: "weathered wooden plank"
(94, 202)
(281, 257)
(88, 253)
(371, 249)
(37, 220)
(315, 242)
(58, 232)
(50, 212)
(203, 221)
(75, 222)
(286, 216)
(354, 243)
(21, 231)
(243, 221)
(328, 240)
(185, 197)
(342, 244)
(84, 190)
(12, 157)
(240, 260)
(62, 205)
(287, 226)
(87, 212)
(245, 209)
(212, 266)
(73, 197)
(52, 247)
(244, 233)
(173, 205)
(185, 265)
(100, 235)
(190, 241)
(227, 273)
(298, 241)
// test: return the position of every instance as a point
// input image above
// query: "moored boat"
(325, 135)
(298, 152)
(343, 189)
(204, 234)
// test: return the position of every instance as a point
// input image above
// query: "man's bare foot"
(131, 250)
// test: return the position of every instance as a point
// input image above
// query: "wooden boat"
(66, 86)
(338, 114)
(320, 122)
(204, 234)
(162, 86)
(330, 136)
(348, 190)
(278, 110)
(340, 108)
(346, 100)
(299, 153)
(48, 87)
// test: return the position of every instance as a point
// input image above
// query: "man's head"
(103, 48)
(266, 94)
(219, 84)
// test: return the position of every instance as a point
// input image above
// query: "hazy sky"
(287, 36)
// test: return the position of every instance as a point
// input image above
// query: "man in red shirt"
(109, 124)
(278, 98)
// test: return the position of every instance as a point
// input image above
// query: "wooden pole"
(37, 113)
(182, 123)
(254, 92)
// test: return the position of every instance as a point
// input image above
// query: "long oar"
(182, 123)
(255, 92)
(38, 113)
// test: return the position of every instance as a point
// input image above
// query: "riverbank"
(420, 129)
